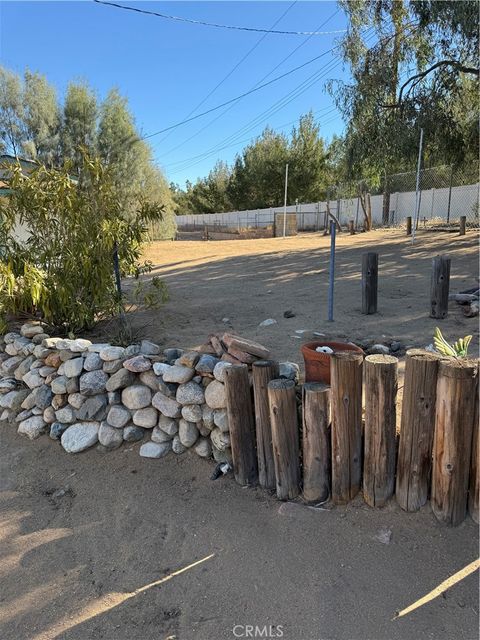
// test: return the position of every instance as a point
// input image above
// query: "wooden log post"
(474, 490)
(369, 282)
(346, 403)
(263, 371)
(284, 421)
(452, 444)
(416, 429)
(241, 424)
(380, 429)
(351, 227)
(409, 225)
(463, 225)
(316, 442)
(440, 285)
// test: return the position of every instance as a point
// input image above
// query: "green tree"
(42, 119)
(307, 161)
(12, 124)
(79, 127)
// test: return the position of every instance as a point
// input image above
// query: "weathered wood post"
(409, 225)
(369, 282)
(440, 285)
(263, 372)
(380, 429)
(474, 490)
(316, 442)
(416, 430)
(241, 424)
(283, 417)
(346, 403)
(452, 444)
(351, 227)
(463, 225)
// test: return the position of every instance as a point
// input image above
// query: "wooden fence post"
(316, 442)
(463, 225)
(369, 282)
(409, 225)
(440, 285)
(452, 444)
(416, 430)
(241, 424)
(283, 417)
(380, 432)
(346, 401)
(351, 227)
(263, 371)
(474, 490)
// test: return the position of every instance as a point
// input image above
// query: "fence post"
(409, 225)
(416, 430)
(450, 194)
(351, 226)
(283, 417)
(331, 273)
(463, 225)
(346, 399)
(263, 371)
(241, 424)
(369, 282)
(380, 423)
(316, 442)
(452, 445)
(474, 490)
(440, 284)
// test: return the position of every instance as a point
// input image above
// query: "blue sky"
(167, 68)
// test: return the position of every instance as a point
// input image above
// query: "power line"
(178, 146)
(259, 41)
(219, 26)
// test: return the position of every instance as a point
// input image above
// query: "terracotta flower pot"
(317, 364)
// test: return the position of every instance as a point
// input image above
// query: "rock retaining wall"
(85, 394)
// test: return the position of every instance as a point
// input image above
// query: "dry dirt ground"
(86, 540)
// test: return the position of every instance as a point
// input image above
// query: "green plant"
(458, 348)
(63, 270)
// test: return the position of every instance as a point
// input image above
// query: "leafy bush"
(63, 271)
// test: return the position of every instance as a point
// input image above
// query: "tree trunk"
(263, 372)
(316, 442)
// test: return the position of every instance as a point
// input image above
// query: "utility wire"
(219, 26)
(220, 115)
(259, 41)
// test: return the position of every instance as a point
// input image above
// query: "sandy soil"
(85, 562)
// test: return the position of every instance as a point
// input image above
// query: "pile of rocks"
(85, 394)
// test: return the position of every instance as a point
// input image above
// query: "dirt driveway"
(104, 546)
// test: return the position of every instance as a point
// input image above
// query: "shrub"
(63, 270)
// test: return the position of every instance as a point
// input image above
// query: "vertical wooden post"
(316, 442)
(440, 285)
(283, 417)
(409, 225)
(463, 225)
(369, 282)
(346, 401)
(351, 227)
(474, 490)
(241, 424)
(452, 444)
(380, 429)
(263, 371)
(416, 430)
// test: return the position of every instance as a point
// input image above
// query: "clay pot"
(317, 364)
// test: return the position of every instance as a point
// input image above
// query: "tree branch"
(419, 76)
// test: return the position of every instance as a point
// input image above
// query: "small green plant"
(458, 349)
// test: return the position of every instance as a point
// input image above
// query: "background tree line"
(414, 65)
(36, 125)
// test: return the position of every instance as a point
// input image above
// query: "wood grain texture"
(414, 463)
(474, 489)
(409, 225)
(439, 288)
(452, 445)
(263, 371)
(284, 421)
(241, 424)
(369, 282)
(380, 429)
(463, 225)
(316, 442)
(346, 407)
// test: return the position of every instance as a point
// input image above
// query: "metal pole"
(450, 194)
(417, 186)
(333, 230)
(285, 202)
